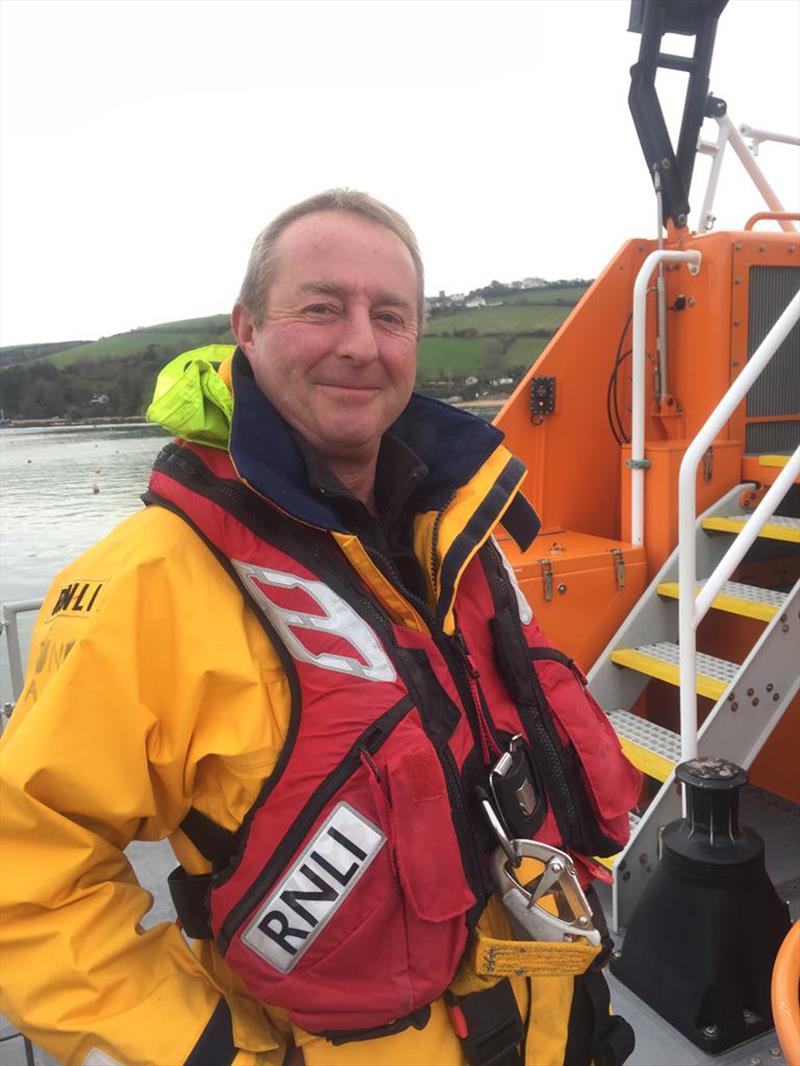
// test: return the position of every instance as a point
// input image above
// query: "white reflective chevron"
(335, 617)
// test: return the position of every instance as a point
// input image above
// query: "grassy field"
(171, 338)
(509, 318)
(550, 295)
(524, 350)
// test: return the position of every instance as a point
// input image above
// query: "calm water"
(49, 509)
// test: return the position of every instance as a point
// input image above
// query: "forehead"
(343, 247)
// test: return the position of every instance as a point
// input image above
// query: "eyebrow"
(330, 288)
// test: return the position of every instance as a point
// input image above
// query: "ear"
(243, 329)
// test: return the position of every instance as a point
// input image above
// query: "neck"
(358, 479)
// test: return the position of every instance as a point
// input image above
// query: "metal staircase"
(750, 696)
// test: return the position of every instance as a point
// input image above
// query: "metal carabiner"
(506, 844)
(558, 879)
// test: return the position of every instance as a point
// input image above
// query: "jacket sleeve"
(124, 704)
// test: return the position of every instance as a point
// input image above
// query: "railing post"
(10, 629)
(637, 461)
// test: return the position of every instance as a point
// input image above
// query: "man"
(301, 662)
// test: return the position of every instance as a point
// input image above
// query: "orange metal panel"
(661, 491)
(571, 455)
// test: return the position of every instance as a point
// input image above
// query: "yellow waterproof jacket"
(152, 687)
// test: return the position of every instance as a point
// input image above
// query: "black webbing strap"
(190, 898)
(521, 522)
(213, 841)
(215, 1046)
(613, 1039)
(489, 1025)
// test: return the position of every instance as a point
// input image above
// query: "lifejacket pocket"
(358, 916)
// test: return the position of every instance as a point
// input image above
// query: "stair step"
(774, 460)
(610, 861)
(779, 527)
(662, 659)
(735, 598)
(651, 748)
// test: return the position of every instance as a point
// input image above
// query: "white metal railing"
(693, 608)
(9, 628)
(729, 134)
(637, 461)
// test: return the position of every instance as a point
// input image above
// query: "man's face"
(336, 353)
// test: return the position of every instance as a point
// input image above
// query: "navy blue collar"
(452, 444)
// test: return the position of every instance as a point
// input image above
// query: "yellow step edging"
(720, 524)
(646, 760)
(773, 460)
(669, 672)
(764, 612)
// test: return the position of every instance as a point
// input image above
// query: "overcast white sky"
(145, 143)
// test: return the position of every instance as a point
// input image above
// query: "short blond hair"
(263, 262)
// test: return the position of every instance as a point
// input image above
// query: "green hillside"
(114, 376)
(168, 339)
(510, 318)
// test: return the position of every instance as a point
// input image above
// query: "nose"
(356, 340)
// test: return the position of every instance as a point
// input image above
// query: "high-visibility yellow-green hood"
(192, 400)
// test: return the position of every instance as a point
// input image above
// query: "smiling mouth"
(348, 388)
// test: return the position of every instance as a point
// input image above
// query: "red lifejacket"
(362, 868)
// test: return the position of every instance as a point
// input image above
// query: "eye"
(389, 317)
(321, 310)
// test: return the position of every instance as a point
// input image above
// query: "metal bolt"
(734, 706)
(755, 702)
(737, 247)
(750, 691)
(791, 247)
(582, 919)
(691, 301)
(784, 629)
(557, 867)
(737, 321)
(776, 696)
(643, 859)
(666, 164)
(775, 1052)
(562, 588)
(762, 247)
(616, 955)
(754, 1061)
(737, 281)
(710, 1031)
(749, 1016)
(770, 687)
(731, 697)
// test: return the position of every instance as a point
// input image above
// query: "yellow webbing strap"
(490, 957)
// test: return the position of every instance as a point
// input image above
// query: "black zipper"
(470, 856)
(541, 728)
(370, 740)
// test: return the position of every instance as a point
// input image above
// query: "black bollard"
(704, 937)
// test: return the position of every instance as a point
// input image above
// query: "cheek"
(400, 360)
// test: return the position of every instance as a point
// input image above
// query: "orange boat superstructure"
(603, 574)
